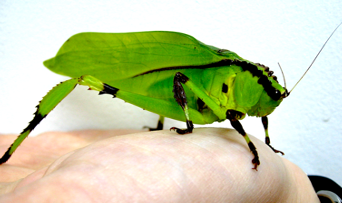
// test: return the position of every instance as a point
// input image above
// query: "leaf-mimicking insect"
(168, 73)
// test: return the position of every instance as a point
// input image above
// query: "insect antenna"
(313, 61)
(286, 93)
(282, 73)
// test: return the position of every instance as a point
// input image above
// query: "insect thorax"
(250, 91)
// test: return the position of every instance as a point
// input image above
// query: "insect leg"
(56, 95)
(180, 97)
(267, 138)
(160, 124)
(49, 102)
(233, 116)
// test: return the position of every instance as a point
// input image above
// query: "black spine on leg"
(107, 89)
(179, 95)
(232, 116)
(189, 125)
(189, 129)
(178, 89)
(255, 160)
(6, 156)
(268, 141)
(34, 122)
(264, 121)
(160, 126)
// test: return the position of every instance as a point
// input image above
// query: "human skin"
(209, 165)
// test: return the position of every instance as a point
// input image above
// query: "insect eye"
(277, 95)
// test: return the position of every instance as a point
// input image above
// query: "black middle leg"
(180, 96)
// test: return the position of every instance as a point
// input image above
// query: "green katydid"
(168, 73)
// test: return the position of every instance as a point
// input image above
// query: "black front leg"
(264, 121)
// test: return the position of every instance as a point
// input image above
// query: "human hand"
(209, 165)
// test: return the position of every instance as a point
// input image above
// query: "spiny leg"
(267, 138)
(51, 100)
(233, 116)
(180, 97)
(160, 124)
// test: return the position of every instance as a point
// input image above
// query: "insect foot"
(181, 131)
(274, 150)
(189, 128)
(267, 138)
(255, 160)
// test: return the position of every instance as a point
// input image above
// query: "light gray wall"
(306, 126)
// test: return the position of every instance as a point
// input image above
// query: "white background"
(306, 126)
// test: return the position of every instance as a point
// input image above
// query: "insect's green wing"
(123, 59)
(114, 56)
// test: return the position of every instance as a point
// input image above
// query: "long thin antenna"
(282, 74)
(316, 56)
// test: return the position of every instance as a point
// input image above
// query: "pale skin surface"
(209, 165)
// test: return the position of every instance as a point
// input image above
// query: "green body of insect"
(168, 73)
